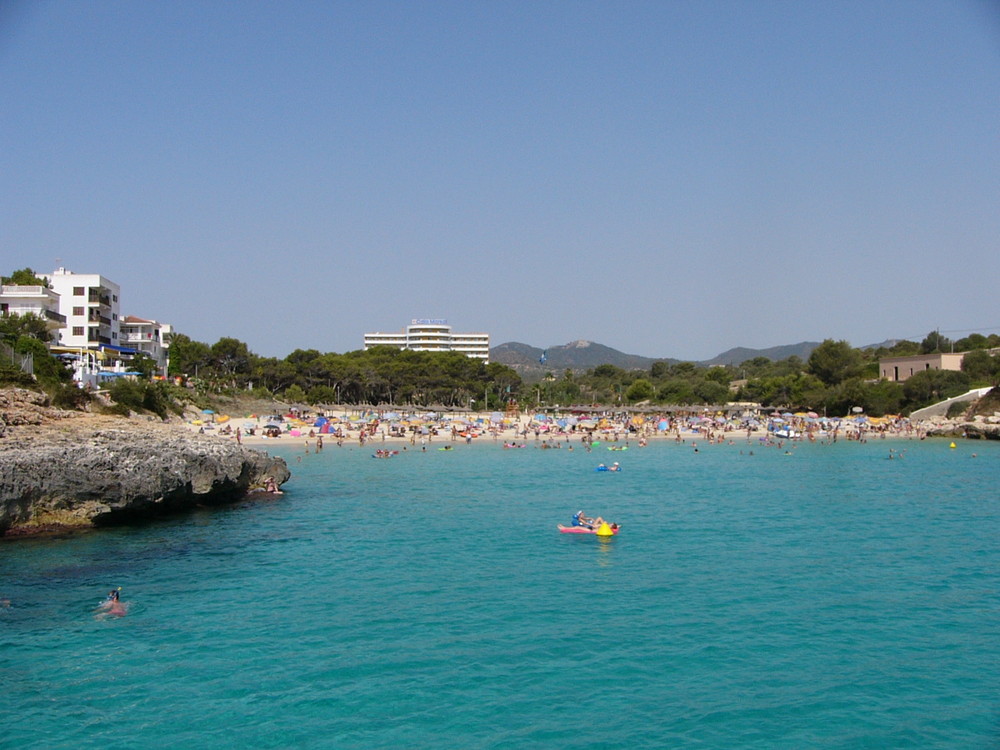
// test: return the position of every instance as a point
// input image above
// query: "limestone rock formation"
(84, 471)
(978, 428)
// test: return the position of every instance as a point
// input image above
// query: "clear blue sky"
(671, 179)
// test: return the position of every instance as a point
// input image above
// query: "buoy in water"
(952, 446)
(604, 530)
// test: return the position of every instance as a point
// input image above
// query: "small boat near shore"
(786, 433)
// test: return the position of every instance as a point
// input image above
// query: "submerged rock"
(100, 470)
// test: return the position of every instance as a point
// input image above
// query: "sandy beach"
(467, 427)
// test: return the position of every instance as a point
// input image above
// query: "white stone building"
(16, 299)
(149, 337)
(90, 303)
(433, 335)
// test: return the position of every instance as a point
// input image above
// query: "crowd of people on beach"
(551, 430)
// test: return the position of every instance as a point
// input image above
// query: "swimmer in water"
(113, 604)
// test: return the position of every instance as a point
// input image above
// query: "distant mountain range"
(580, 356)
(740, 354)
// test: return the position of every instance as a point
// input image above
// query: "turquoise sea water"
(829, 598)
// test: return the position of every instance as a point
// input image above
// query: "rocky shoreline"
(64, 470)
(980, 428)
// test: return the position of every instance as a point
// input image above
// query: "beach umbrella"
(207, 411)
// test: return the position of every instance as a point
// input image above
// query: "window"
(114, 316)
(77, 330)
(78, 291)
(114, 335)
(78, 311)
(114, 297)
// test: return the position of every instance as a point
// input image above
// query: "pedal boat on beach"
(605, 529)
(785, 433)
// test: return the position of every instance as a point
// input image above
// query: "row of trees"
(836, 378)
(381, 375)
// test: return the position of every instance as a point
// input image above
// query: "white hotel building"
(90, 303)
(433, 335)
(41, 301)
(149, 337)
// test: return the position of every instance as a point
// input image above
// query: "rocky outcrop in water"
(60, 470)
(984, 428)
(981, 420)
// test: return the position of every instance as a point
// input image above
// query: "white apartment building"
(40, 301)
(433, 335)
(91, 307)
(149, 337)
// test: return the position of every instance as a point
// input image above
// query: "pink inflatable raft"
(602, 530)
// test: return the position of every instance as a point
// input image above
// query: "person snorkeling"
(113, 603)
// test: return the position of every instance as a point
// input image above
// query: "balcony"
(145, 341)
(102, 299)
